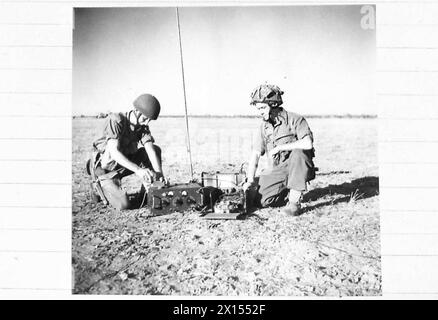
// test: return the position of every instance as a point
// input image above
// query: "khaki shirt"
(287, 127)
(117, 126)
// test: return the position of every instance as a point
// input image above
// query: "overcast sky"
(319, 56)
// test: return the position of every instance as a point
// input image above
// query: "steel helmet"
(148, 105)
(267, 93)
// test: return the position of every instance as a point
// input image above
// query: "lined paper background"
(35, 139)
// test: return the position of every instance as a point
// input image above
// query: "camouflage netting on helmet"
(267, 93)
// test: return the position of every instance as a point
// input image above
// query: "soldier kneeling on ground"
(288, 141)
(117, 153)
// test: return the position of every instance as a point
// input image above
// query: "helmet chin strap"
(273, 112)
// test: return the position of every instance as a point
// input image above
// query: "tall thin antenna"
(185, 99)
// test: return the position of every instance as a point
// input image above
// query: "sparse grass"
(355, 196)
(325, 251)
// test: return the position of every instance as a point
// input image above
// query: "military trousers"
(273, 185)
(110, 181)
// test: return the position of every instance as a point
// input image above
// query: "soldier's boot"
(96, 191)
(92, 192)
(88, 169)
(293, 207)
(94, 196)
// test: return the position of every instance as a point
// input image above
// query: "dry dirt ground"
(333, 248)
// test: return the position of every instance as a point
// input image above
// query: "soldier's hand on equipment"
(247, 185)
(158, 176)
(146, 174)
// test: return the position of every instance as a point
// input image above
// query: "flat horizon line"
(359, 116)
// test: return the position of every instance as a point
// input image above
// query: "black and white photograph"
(225, 151)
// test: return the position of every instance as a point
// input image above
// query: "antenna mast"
(185, 99)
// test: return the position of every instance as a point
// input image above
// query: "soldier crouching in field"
(288, 141)
(117, 153)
